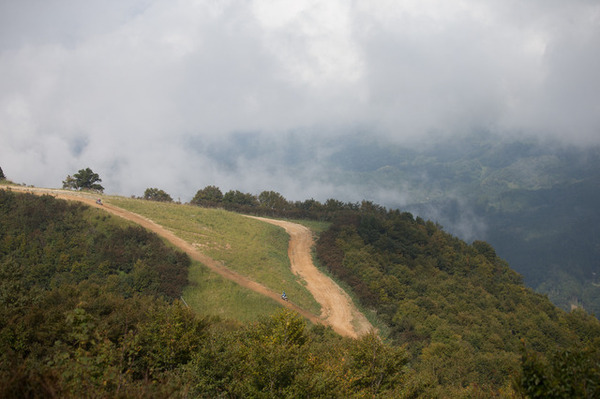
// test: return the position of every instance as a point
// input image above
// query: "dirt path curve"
(336, 312)
(337, 307)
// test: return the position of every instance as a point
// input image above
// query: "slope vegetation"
(88, 308)
(463, 314)
(85, 311)
(338, 310)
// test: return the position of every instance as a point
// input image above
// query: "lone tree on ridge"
(84, 179)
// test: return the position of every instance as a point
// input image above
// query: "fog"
(257, 95)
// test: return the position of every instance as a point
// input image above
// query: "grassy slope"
(253, 248)
(211, 294)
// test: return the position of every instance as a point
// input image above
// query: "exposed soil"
(337, 308)
(338, 311)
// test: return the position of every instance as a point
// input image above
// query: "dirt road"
(337, 308)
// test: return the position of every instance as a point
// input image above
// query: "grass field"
(253, 248)
(211, 294)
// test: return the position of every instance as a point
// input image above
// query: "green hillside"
(252, 248)
(89, 307)
(460, 311)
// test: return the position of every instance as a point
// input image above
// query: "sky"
(150, 93)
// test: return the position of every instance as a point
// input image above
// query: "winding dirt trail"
(338, 311)
(337, 307)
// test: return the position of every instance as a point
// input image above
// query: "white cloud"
(313, 40)
(123, 85)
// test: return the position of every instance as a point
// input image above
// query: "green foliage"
(208, 196)
(155, 194)
(273, 201)
(534, 200)
(2, 176)
(485, 249)
(459, 309)
(279, 357)
(87, 310)
(211, 294)
(49, 242)
(84, 179)
(375, 366)
(239, 199)
(85, 322)
(572, 373)
(250, 247)
(270, 203)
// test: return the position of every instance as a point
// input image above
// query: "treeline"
(271, 203)
(462, 313)
(87, 309)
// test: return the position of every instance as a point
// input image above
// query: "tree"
(272, 200)
(238, 198)
(70, 183)
(208, 196)
(376, 367)
(83, 179)
(2, 177)
(485, 249)
(567, 373)
(155, 194)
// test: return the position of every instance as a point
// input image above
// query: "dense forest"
(89, 308)
(463, 315)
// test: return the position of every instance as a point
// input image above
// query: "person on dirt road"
(284, 296)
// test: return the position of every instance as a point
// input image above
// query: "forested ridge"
(463, 315)
(88, 308)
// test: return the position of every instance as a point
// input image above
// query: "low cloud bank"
(152, 93)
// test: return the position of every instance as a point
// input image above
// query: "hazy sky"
(142, 91)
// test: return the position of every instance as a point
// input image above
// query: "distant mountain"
(535, 202)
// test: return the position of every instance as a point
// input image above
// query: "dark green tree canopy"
(485, 249)
(208, 196)
(155, 194)
(272, 200)
(239, 198)
(84, 179)
(2, 177)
